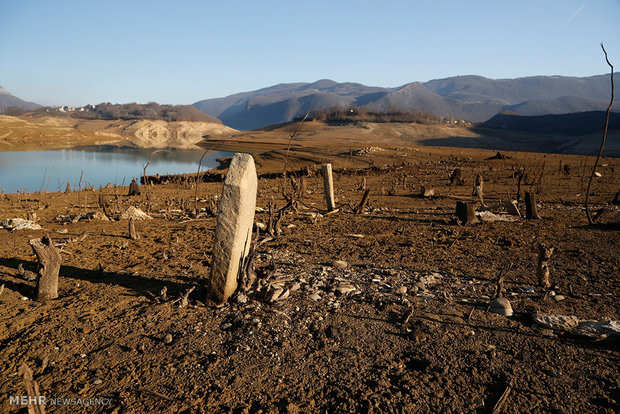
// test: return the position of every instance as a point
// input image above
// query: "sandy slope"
(27, 134)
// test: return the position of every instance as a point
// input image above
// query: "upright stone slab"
(233, 232)
(328, 184)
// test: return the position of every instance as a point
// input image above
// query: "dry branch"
(600, 151)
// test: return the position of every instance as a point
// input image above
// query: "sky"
(75, 53)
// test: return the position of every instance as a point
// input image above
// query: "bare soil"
(412, 336)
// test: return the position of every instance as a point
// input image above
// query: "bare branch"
(600, 151)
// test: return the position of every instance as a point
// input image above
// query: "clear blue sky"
(57, 52)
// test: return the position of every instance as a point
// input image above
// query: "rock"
(134, 213)
(559, 298)
(345, 289)
(97, 381)
(339, 264)
(168, 338)
(418, 336)
(557, 322)
(501, 306)
(402, 290)
(233, 233)
(241, 298)
(15, 224)
(315, 297)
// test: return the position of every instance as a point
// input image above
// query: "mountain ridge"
(470, 97)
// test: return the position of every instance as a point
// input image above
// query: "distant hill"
(473, 98)
(132, 111)
(8, 101)
(575, 124)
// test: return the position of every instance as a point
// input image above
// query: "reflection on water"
(51, 170)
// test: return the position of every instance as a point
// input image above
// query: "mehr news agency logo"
(26, 400)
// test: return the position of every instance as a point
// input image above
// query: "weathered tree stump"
(49, 266)
(133, 234)
(362, 205)
(531, 210)
(465, 213)
(456, 178)
(616, 199)
(542, 272)
(512, 209)
(68, 188)
(134, 188)
(328, 185)
(478, 189)
(233, 232)
(426, 192)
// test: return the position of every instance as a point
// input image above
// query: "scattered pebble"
(97, 381)
(167, 339)
(315, 297)
(339, 264)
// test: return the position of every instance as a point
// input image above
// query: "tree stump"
(456, 178)
(49, 266)
(362, 205)
(134, 188)
(542, 272)
(531, 210)
(133, 234)
(465, 213)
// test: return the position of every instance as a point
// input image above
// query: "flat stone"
(340, 264)
(233, 232)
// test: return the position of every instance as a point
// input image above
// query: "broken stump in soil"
(49, 262)
(542, 272)
(531, 210)
(233, 232)
(133, 234)
(465, 213)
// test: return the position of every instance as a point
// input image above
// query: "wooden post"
(465, 213)
(133, 234)
(531, 210)
(328, 185)
(542, 272)
(49, 262)
(233, 232)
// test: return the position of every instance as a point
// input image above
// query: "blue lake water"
(51, 170)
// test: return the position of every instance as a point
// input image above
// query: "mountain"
(473, 98)
(7, 100)
(574, 124)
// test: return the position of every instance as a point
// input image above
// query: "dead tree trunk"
(303, 187)
(133, 234)
(531, 210)
(49, 266)
(544, 254)
(362, 205)
(465, 213)
(478, 189)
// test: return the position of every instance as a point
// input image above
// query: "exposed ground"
(30, 134)
(325, 348)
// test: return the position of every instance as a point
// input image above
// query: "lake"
(51, 170)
